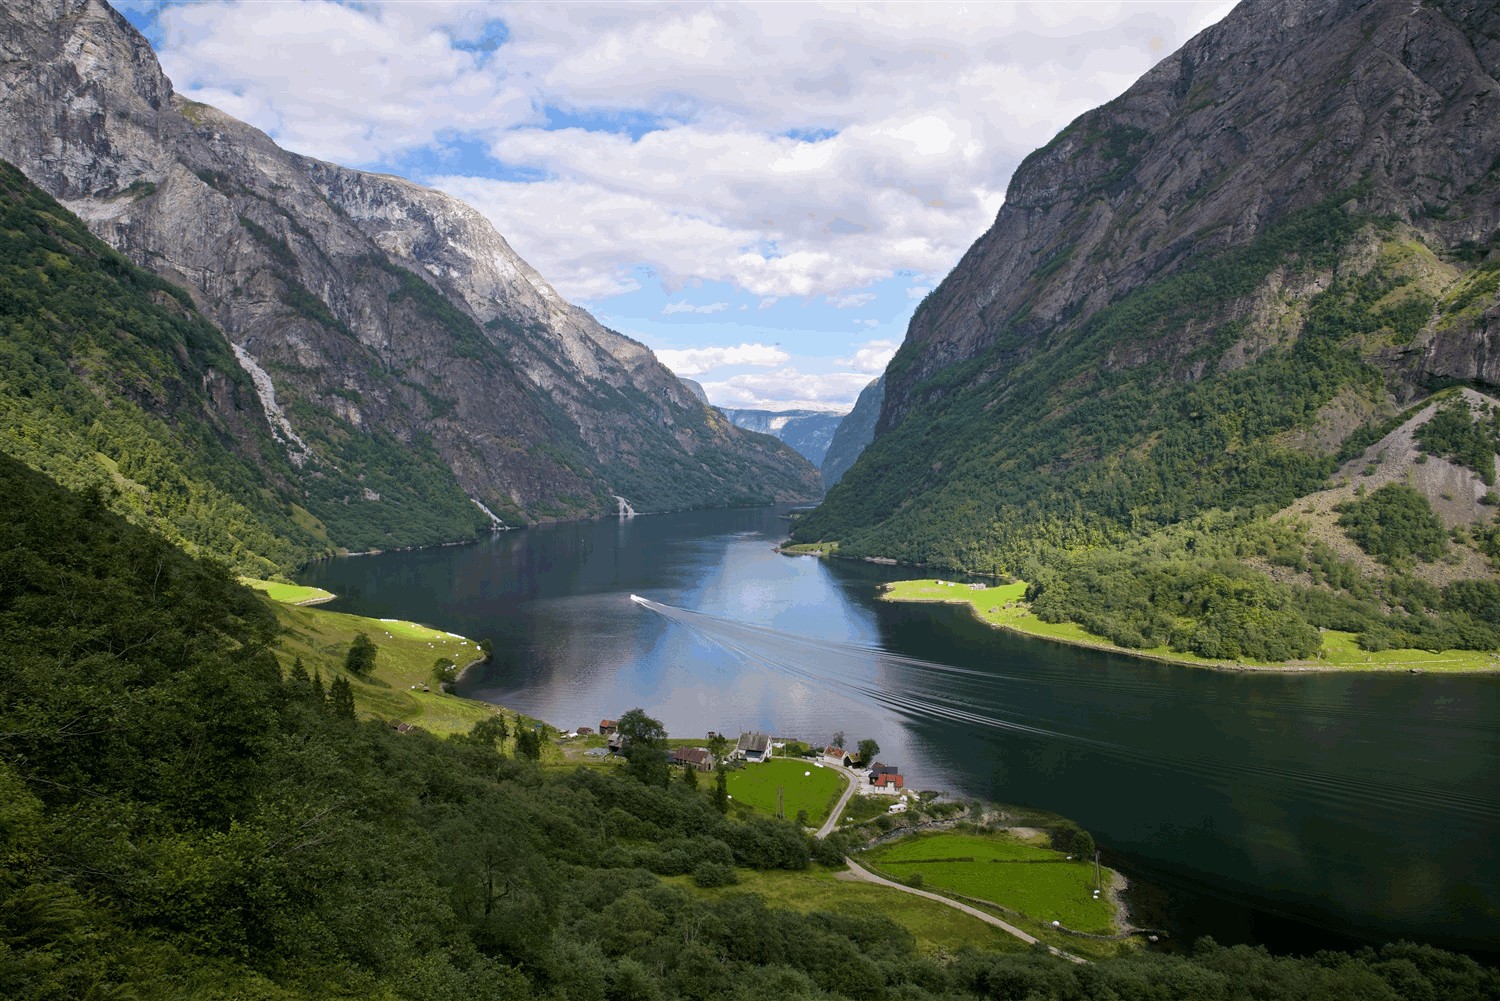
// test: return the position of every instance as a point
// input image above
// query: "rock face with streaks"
(1280, 106)
(410, 350)
(1194, 296)
(855, 431)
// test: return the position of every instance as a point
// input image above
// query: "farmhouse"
(836, 756)
(697, 758)
(607, 726)
(754, 747)
(888, 783)
(584, 731)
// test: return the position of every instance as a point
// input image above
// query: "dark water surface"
(1299, 811)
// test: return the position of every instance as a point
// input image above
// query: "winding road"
(858, 873)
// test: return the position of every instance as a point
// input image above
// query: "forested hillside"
(1167, 322)
(111, 378)
(179, 817)
(412, 365)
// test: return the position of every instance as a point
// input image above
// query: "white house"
(754, 747)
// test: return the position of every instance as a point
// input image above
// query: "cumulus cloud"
(683, 306)
(787, 389)
(696, 361)
(872, 357)
(787, 149)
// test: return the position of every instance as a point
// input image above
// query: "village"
(754, 747)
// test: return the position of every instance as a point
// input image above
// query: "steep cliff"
(809, 432)
(413, 357)
(1197, 294)
(854, 432)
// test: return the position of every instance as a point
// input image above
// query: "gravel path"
(856, 872)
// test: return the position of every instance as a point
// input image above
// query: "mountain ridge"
(402, 335)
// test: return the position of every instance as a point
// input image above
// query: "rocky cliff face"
(809, 432)
(1197, 295)
(854, 432)
(406, 343)
(1283, 104)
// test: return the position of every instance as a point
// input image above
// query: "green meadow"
(805, 786)
(1038, 882)
(291, 594)
(1004, 607)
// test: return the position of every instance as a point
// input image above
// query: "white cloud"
(917, 292)
(867, 323)
(913, 117)
(851, 301)
(787, 389)
(696, 361)
(684, 306)
(872, 357)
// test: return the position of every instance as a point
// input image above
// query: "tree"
(361, 657)
(721, 789)
(838, 739)
(690, 776)
(528, 744)
(718, 746)
(645, 742)
(442, 670)
(1083, 844)
(341, 699)
(868, 748)
(490, 732)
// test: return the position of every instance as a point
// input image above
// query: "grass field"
(755, 786)
(291, 594)
(1038, 882)
(405, 655)
(937, 928)
(1004, 607)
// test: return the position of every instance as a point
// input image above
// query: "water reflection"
(1366, 804)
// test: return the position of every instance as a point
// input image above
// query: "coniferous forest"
(182, 818)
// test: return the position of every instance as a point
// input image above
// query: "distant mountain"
(1196, 295)
(697, 390)
(809, 432)
(408, 362)
(854, 432)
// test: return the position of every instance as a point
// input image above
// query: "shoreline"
(1226, 667)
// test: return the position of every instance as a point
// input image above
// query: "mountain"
(1156, 389)
(1197, 294)
(854, 432)
(809, 432)
(405, 357)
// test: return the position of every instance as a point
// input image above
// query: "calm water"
(1297, 811)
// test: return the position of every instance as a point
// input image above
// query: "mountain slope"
(406, 344)
(854, 432)
(113, 381)
(809, 432)
(1194, 296)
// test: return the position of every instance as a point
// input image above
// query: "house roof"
(754, 742)
(606, 723)
(889, 778)
(879, 769)
(695, 755)
(834, 752)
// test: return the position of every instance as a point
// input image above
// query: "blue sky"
(761, 193)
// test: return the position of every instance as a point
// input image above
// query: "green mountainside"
(113, 380)
(182, 817)
(1138, 359)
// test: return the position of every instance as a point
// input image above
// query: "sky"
(760, 192)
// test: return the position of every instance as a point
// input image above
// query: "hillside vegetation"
(179, 818)
(1139, 504)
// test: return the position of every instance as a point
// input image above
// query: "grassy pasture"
(1004, 607)
(755, 786)
(937, 928)
(1038, 882)
(406, 653)
(291, 594)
